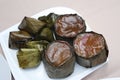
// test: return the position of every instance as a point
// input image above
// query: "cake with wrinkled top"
(90, 49)
(67, 26)
(59, 59)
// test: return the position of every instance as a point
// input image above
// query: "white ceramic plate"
(4, 69)
(39, 72)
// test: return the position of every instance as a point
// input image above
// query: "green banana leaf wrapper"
(28, 58)
(17, 39)
(40, 45)
(49, 19)
(61, 71)
(31, 25)
(46, 34)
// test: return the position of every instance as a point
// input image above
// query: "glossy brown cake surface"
(69, 25)
(89, 44)
(58, 53)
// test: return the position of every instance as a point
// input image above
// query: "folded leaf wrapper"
(59, 62)
(17, 39)
(91, 49)
(28, 58)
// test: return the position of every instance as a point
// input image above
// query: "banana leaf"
(28, 58)
(46, 34)
(49, 19)
(31, 25)
(40, 45)
(17, 39)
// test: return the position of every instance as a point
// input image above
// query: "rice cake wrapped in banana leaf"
(67, 27)
(46, 34)
(49, 19)
(40, 45)
(59, 59)
(28, 58)
(31, 25)
(17, 39)
(90, 48)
